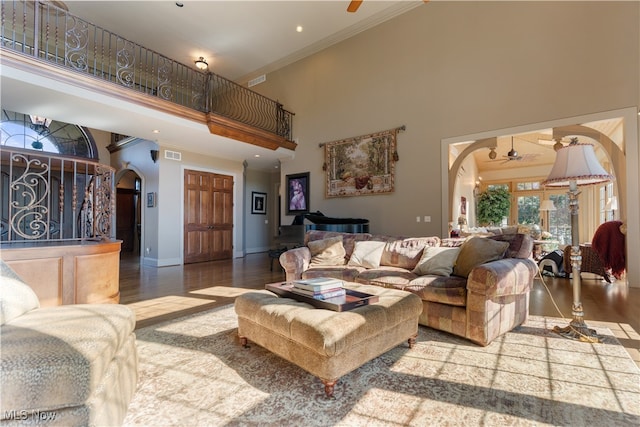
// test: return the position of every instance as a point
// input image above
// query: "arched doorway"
(623, 161)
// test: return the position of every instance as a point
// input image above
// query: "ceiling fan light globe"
(493, 154)
(558, 145)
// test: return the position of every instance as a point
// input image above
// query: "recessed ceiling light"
(299, 28)
(156, 131)
(179, 4)
(256, 155)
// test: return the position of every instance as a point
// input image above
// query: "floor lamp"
(576, 165)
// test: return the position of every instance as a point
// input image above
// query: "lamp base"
(579, 331)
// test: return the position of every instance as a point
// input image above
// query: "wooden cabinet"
(68, 273)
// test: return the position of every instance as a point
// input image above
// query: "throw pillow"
(327, 251)
(476, 251)
(367, 254)
(437, 261)
(16, 297)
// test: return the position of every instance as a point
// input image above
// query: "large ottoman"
(325, 343)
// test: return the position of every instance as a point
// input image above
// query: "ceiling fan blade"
(354, 5)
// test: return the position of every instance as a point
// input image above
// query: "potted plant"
(493, 206)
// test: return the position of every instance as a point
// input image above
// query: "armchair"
(77, 364)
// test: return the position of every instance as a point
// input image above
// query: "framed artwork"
(361, 165)
(297, 193)
(258, 203)
(151, 200)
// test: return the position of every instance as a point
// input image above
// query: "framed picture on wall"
(258, 203)
(297, 193)
(151, 200)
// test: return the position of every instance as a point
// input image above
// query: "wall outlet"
(417, 219)
(266, 221)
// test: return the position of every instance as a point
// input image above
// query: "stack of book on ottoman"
(321, 288)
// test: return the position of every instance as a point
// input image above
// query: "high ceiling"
(239, 39)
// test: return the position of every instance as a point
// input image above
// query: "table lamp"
(576, 165)
(612, 205)
(545, 206)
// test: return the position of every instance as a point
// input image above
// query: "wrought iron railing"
(52, 198)
(44, 31)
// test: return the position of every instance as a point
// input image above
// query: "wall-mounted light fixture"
(154, 155)
(201, 64)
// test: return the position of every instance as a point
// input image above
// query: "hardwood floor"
(159, 294)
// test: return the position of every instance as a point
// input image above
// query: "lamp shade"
(576, 162)
(612, 204)
(547, 205)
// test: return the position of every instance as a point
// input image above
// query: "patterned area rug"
(193, 372)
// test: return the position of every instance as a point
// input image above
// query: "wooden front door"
(126, 218)
(208, 216)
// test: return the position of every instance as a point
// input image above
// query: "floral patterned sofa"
(478, 291)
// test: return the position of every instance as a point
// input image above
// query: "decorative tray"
(351, 300)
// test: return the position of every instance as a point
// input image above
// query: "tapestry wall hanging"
(361, 165)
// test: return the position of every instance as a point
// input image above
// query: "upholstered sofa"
(478, 290)
(65, 365)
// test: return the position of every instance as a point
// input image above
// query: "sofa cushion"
(405, 253)
(60, 354)
(386, 277)
(343, 272)
(450, 290)
(348, 239)
(327, 251)
(438, 261)
(367, 254)
(16, 297)
(520, 245)
(476, 251)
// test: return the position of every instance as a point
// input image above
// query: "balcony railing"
(51, 34)
(52, 198)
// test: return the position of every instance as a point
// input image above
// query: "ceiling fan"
(513, 154)
(355, 4)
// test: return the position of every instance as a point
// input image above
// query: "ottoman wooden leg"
(328, 387)
(412, 340)
(244, 341)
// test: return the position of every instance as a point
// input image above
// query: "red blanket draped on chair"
(609, 243)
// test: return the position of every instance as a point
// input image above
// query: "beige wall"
(447, 69)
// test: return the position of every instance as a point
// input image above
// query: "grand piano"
(293, 235)
(343, 225)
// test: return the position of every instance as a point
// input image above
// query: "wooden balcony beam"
(233, 129)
